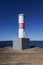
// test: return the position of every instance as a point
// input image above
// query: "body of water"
(10, 43)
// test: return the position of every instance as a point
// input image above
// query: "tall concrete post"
(21, 26)
(21, 42)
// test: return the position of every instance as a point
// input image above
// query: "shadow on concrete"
(32, 46)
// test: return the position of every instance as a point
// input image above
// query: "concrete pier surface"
(10, 56)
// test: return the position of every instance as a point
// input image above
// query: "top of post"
(21, 15)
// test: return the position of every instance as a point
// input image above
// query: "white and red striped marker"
(21, 25)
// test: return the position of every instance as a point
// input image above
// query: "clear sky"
(33, 11)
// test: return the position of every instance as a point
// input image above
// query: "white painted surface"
(21, 18)
(21, 33)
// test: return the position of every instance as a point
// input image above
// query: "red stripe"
(21, 25)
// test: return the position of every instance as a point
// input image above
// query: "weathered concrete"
(21, 43)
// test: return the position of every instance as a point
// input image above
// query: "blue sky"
(33, 11)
